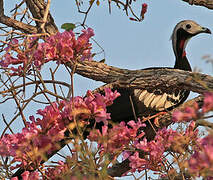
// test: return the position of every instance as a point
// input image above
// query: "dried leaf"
(98, 2)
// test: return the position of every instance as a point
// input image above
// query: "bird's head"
(182, 32)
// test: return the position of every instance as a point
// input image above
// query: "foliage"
(41, 136)
(70, 119)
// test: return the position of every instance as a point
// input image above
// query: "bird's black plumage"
(147, 102)
(141, 102)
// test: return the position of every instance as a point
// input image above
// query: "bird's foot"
(156, 117)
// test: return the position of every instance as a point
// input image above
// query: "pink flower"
(143, 9)
(25, 175)
(191, 131)
(110, 96)
(7, 60)
(57, 171)
(208, 102)
(117, 138)
(188, 114)
(126, 154)
(28, 176)
(61, 47)
(136, 163)
(43, 134)
(34, 138)
(63, 170)
(12, 44)
(201, 161)
(154, 150)
(86, 35)
(14, 178)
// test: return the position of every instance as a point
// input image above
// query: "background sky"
(137, 45)
(129, 44)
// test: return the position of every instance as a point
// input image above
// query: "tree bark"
(167, 79)
(37, 9)
(205, 3)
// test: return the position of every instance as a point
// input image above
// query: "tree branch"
(26, 28)
(37, 8)
(206, 3)
(14, 23)
(1, 8)
(166, 79)
(39, 11)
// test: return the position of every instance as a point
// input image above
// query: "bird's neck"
(180, 53)
(182, 63)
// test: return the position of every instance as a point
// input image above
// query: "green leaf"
(68, 26)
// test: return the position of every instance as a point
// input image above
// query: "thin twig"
(45, 15)
(4, 120)
(36, 82)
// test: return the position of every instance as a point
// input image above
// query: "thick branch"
(166, 79)
(37, 8)
(1, 8)
(206, 3)
(26, 28)
(14, 23)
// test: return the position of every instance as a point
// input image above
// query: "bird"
(142, 102)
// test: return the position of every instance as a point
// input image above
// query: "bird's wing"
(148, 102)
(142, 102)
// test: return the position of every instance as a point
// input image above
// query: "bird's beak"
(205, 30)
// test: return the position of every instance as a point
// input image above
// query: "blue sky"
(134, 45)
(137, 45)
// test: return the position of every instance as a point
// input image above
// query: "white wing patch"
(157, 101)
(148, 99)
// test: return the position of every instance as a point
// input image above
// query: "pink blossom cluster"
(208, 102)
(117, 138)
(153, 151)
(187, 114)
(60, 171)
(61, 47)
(125, 137)
(201, 162)
(41, 135)
(28, 176)
(39, 138)
(67, 170)
(57, 171)
(192, 112)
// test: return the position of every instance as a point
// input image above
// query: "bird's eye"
(188, 26)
